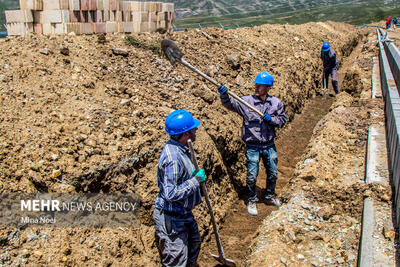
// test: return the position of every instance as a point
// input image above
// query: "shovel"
(174, 54)
(323, 92)
(221, 258)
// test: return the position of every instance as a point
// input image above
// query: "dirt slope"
(70, 106)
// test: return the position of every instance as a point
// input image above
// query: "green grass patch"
(354, 13)
(155, 48)
(6, 5)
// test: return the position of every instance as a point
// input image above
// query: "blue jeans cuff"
(254, 199)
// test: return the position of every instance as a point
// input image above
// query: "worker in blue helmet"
(259, 133)
(388, 22)
(328, 56)
(177, 234)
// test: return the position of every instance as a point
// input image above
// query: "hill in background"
(5, 5)
(244, 13)
(229, 13)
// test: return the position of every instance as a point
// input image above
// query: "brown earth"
(71, 106)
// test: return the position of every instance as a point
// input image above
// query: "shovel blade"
(171, 51)
(224, 261)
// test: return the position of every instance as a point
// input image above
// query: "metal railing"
(389, 62)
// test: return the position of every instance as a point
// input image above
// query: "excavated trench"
(239, 229)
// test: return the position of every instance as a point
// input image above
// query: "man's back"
(329, 59)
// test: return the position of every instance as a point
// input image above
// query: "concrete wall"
(389, 58)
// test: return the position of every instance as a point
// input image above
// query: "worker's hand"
(267, 117)
(200, 175)
(222, 89)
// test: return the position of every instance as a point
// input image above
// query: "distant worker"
(177, 234)
(328, 56)
(395, 21)
(388, 22)
(259, 133)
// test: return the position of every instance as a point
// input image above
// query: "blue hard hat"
(180, 121)
(264, 78)
(326, 46)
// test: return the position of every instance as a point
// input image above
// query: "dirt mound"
(79, 115)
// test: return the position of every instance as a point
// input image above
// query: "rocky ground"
(86, 114)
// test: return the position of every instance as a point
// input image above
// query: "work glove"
(222, 89)
(200, 175)
(267, 117)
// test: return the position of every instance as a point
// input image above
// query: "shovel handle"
(187, 64)
(215, 83)
(205, 194)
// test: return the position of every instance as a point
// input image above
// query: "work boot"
(271, 200)
(252, 208)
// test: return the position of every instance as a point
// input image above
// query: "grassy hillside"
(4, 5)
(356, 12)
(240, 13)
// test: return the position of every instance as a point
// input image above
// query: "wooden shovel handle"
(205, 194)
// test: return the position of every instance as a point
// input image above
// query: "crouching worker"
(258, 133)
(177, 234)
(329, 60)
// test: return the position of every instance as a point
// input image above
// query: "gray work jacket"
(256, 131)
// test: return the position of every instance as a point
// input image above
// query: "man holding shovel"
(328, 56)
(177, 234)
(258, 133)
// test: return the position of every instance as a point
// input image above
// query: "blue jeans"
(178, 239)
(335, 84)
(270, 159)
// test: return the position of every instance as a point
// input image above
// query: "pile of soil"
(84, 114)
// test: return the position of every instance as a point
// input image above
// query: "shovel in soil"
(220, 258)
(174, 54)
(324, 89)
